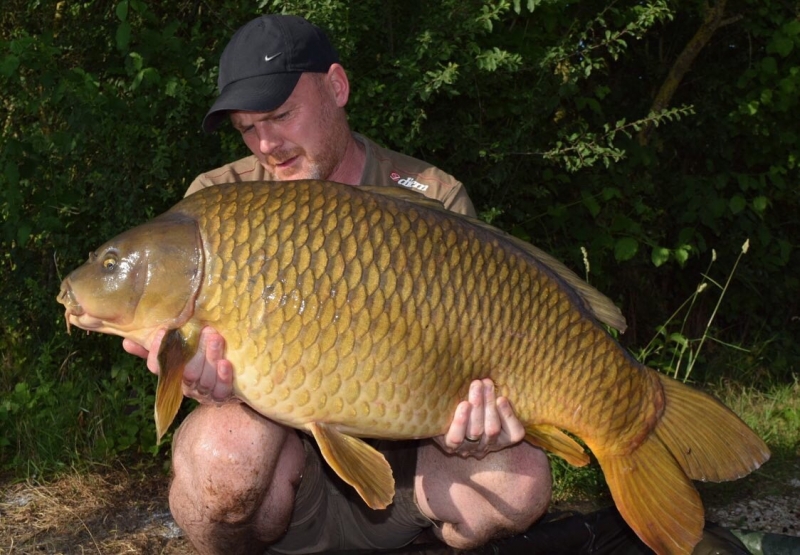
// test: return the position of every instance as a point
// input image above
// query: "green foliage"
(670, 350)
(537, 106)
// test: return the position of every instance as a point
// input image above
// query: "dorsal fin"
(598, 304)
(595, 302)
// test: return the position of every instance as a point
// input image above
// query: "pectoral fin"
(557, 442)
(177, 347)
(356, 463)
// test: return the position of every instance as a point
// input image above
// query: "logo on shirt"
(409, 182)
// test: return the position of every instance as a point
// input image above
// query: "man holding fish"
(244, 484)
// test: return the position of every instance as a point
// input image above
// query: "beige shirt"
(383, 167)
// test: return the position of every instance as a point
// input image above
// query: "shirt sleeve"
(200, 182)
(457, 200)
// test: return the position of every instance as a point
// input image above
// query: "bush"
(544, 109)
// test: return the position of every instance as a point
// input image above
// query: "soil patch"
(108, 512)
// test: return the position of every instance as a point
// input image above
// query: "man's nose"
(268, 140)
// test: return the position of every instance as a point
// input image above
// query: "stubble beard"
(332, 148)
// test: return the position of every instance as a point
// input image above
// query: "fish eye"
(110, 263)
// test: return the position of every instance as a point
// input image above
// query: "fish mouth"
(71, 305)
(74, 313)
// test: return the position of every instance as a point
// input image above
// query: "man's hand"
(482, 424)
(208, 376)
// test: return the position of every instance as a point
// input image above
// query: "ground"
(121, 511)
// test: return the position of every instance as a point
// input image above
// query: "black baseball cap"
(263, 61)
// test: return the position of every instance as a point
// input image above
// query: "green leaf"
(11, 173)
(760, 204)
(137, 59)
(625, 249)
(122, 10)
(769, 65)
(681, 254)
(123, 36)
(678, 338)
(9, 65)
(591, 205)
(171, 89)
(737, 204)
(23, 234)
(659, 256)
(781, 44)
(609, 193)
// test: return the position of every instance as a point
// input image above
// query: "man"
(243, 483)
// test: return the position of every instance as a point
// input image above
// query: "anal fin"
(557, 442)
(356, 463)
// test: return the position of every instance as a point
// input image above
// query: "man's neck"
(351, 168)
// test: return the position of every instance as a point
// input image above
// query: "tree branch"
(711, 22)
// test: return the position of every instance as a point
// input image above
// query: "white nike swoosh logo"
(268, 58)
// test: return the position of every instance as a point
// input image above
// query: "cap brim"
(262, 93)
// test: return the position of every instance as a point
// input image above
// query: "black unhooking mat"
(602, 532)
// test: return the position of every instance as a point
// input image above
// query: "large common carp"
(366, 312)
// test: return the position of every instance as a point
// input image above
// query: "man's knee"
(477, 500)
(526, 488)
(226, 461)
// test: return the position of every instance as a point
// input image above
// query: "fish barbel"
(353, 312)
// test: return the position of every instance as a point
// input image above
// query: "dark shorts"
(329, 515)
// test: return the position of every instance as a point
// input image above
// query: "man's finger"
(492, 420)
(510, 423)
(477, 412)
(458, 427)
(223, 389)
(155, 347)
(134, 348)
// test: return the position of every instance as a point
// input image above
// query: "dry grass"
(105, 512)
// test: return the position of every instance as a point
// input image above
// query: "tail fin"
(696, 438)
(655, 497)
(706, 438)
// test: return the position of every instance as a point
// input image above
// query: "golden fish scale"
(368, 312)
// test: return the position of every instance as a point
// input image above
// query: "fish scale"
(366, 312)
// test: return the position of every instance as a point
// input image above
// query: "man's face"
(303, 138)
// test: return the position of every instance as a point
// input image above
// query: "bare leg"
(235, 478)
(477, 500)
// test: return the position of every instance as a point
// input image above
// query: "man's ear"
(340, 85)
